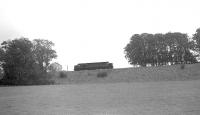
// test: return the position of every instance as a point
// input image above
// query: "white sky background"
(95, 30)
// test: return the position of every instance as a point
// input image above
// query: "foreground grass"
(134, 98)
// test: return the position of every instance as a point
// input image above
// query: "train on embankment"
(93, 66)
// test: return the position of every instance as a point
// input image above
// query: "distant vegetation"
(62, 74)
(54, 67)
(26, 62)
(102, 74)
(163, 49)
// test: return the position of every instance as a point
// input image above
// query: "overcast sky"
(95, 30)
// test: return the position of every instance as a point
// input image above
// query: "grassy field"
(134, 98)
(166, 90)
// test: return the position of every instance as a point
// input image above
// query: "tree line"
(163, 49)
(26, 62)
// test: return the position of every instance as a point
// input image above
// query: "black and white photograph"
(99, 57)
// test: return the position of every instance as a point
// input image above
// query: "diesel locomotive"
(93, 66)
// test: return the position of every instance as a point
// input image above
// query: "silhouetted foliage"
(196, 43)
(102, 74)
(43, 53)
(63, 74)
(54, 67)
(159, 49)
(20, 64)
(182, 66)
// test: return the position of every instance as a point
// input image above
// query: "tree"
(17, 60)
(180, 48)
(196, 43)
(43, 53)
(145, 49)
(55, 67)
(20, 62)
(134, 50)
(159, 49)
(1, 57)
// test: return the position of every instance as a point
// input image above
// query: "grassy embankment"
(164, 73)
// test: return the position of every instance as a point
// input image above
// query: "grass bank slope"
(164, 73)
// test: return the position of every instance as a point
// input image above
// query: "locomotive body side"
(93, 66)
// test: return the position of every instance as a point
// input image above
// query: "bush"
(182, 66)
(62, 74)
(32, 80)
(102, 74)
(7, 82)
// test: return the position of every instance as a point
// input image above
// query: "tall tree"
(17, 59)
(179, 48)
(159, 49)
(135, 50)
(20, 62)
(196, 39)
(43, 53)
